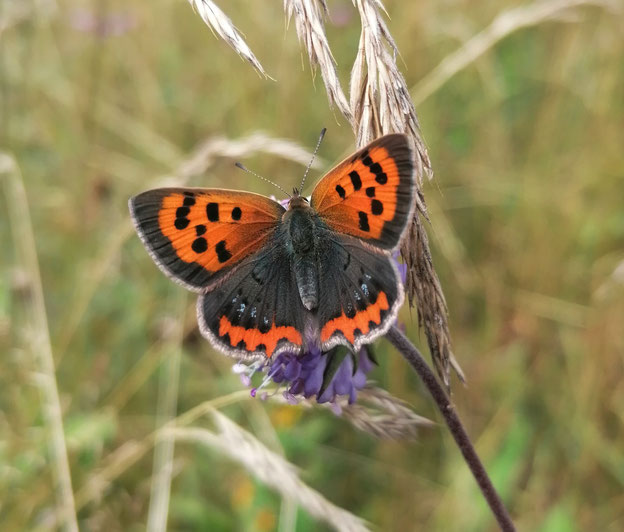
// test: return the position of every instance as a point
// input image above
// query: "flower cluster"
(325, 376)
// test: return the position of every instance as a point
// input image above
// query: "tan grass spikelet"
(376, 412)
(308, 15)
(268, 467)
(221, 25)
(379, 413)
(213, 148)
(381, 104)
(379, 97)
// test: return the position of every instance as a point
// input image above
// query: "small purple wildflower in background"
(102, 25)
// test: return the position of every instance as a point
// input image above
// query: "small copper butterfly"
(273, 278)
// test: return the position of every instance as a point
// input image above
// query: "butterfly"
(274, 278)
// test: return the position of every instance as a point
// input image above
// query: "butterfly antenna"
(318, 145)
(240, 165)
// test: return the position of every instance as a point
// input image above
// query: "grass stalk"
(502, 26)
(162, 469)
(38, 338)
(131, 452)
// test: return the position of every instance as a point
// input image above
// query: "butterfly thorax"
(301, 228)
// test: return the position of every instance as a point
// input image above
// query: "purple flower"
(401, 266)
(325, 376)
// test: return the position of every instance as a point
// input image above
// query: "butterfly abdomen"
(302, 240)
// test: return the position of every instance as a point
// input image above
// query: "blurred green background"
(527, 144)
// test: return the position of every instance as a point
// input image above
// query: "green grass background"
(527, 144)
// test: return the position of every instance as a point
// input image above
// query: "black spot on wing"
(376, 207)
(212, 211)
(356, 181)
(380, 175)
(381, 178)
(341, 191)
(236, 213)
(199, 245)
(375, 168)
(146, 209)
(364, 221)
(360, 302)
(181, 223)
(222, 252)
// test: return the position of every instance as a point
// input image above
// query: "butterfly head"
(297, 201)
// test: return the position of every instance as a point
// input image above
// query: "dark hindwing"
(361, 289)
(370, 195)
(256, 310)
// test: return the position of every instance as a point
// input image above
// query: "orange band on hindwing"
(361, 321)
(253, 340)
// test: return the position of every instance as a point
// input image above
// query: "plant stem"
(415, 358)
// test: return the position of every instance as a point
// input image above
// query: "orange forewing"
(213, 236)
(370, 194)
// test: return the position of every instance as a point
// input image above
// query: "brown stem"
(414, 357)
